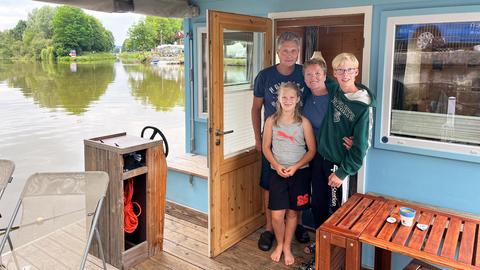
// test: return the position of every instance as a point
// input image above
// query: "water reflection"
(161, 86)
(47, 111)
(55, 86)
(75, 88)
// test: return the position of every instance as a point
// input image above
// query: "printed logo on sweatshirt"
(341, 109)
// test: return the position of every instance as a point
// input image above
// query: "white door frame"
(367, 30)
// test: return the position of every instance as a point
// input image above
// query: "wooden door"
(235, 197)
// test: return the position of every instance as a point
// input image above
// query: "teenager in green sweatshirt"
(348, 115)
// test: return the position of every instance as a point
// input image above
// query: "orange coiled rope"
(130, 219)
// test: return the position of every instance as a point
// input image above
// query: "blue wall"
(191, 192)
(445, 179)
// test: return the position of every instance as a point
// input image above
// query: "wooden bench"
(190, 164)
(451, 240)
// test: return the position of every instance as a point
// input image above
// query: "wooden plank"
(173, 262)
(353, 255)
(383, 259)
(323, 243)
(389, 228)
(200, 236)
(355, 214)
(186, 241)
(404, 232)
(195, 165)
(477, 256)
(342, 211)
(134, 172)
(156, 197)
(424, 256)
(418, 237)
(451, 239)
(134, 255)
(465, 253)
(193, 258)
(187, 223)
(436, 234)
(190, 216)
(377, 222)
(367, 216)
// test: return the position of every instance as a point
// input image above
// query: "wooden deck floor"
(185, 247)
(61, 249)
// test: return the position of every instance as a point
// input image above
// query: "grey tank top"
(288, 144)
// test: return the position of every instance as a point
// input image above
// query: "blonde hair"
(315, 61)
(297, 116)
(339, 59)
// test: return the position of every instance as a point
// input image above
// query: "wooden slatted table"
(451, 240)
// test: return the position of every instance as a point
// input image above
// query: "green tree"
(140, 37)
(17, 32)
(6, 40)
(75, 30)
(39, 24)
(165, 28)
(38, 32)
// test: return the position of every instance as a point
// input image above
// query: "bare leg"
(278, 221)
(268, 212)
(289, 231)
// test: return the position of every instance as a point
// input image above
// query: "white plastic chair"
(51, 204)
(6, 170)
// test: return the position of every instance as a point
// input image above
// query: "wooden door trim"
(217, 22)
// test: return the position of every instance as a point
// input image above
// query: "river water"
(47, 110)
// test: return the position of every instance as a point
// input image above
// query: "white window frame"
(385, 136)
(236, 87)
(201, 30)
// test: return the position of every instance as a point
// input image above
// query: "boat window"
(432, 84)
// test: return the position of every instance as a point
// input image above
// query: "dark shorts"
(265, 174)
(290, 193)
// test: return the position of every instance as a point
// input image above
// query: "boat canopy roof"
(161, 8)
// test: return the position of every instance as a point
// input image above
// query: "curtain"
(311, 36)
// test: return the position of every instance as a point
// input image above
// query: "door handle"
(219, 132)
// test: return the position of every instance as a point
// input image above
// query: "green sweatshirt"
(345, 117)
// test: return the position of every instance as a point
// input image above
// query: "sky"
(11, 11)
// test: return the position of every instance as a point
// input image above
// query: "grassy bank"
(146, 57)
(235, 61)
(87, 57)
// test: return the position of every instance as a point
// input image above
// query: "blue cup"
(407, 215)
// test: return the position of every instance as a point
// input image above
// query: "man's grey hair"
(287, 36)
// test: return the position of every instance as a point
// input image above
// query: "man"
(267, 83)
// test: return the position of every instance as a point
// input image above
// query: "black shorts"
(290, 193)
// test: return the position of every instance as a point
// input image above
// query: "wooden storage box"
(108, 153)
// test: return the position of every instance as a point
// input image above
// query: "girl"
(289, 145)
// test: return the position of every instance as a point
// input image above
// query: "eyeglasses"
(341, 71)
(311, 75)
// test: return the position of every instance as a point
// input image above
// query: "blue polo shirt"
(268, 82)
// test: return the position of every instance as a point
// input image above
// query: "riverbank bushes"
(88, 57)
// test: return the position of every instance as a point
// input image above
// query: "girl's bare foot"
(276, 254)
(288, 256)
